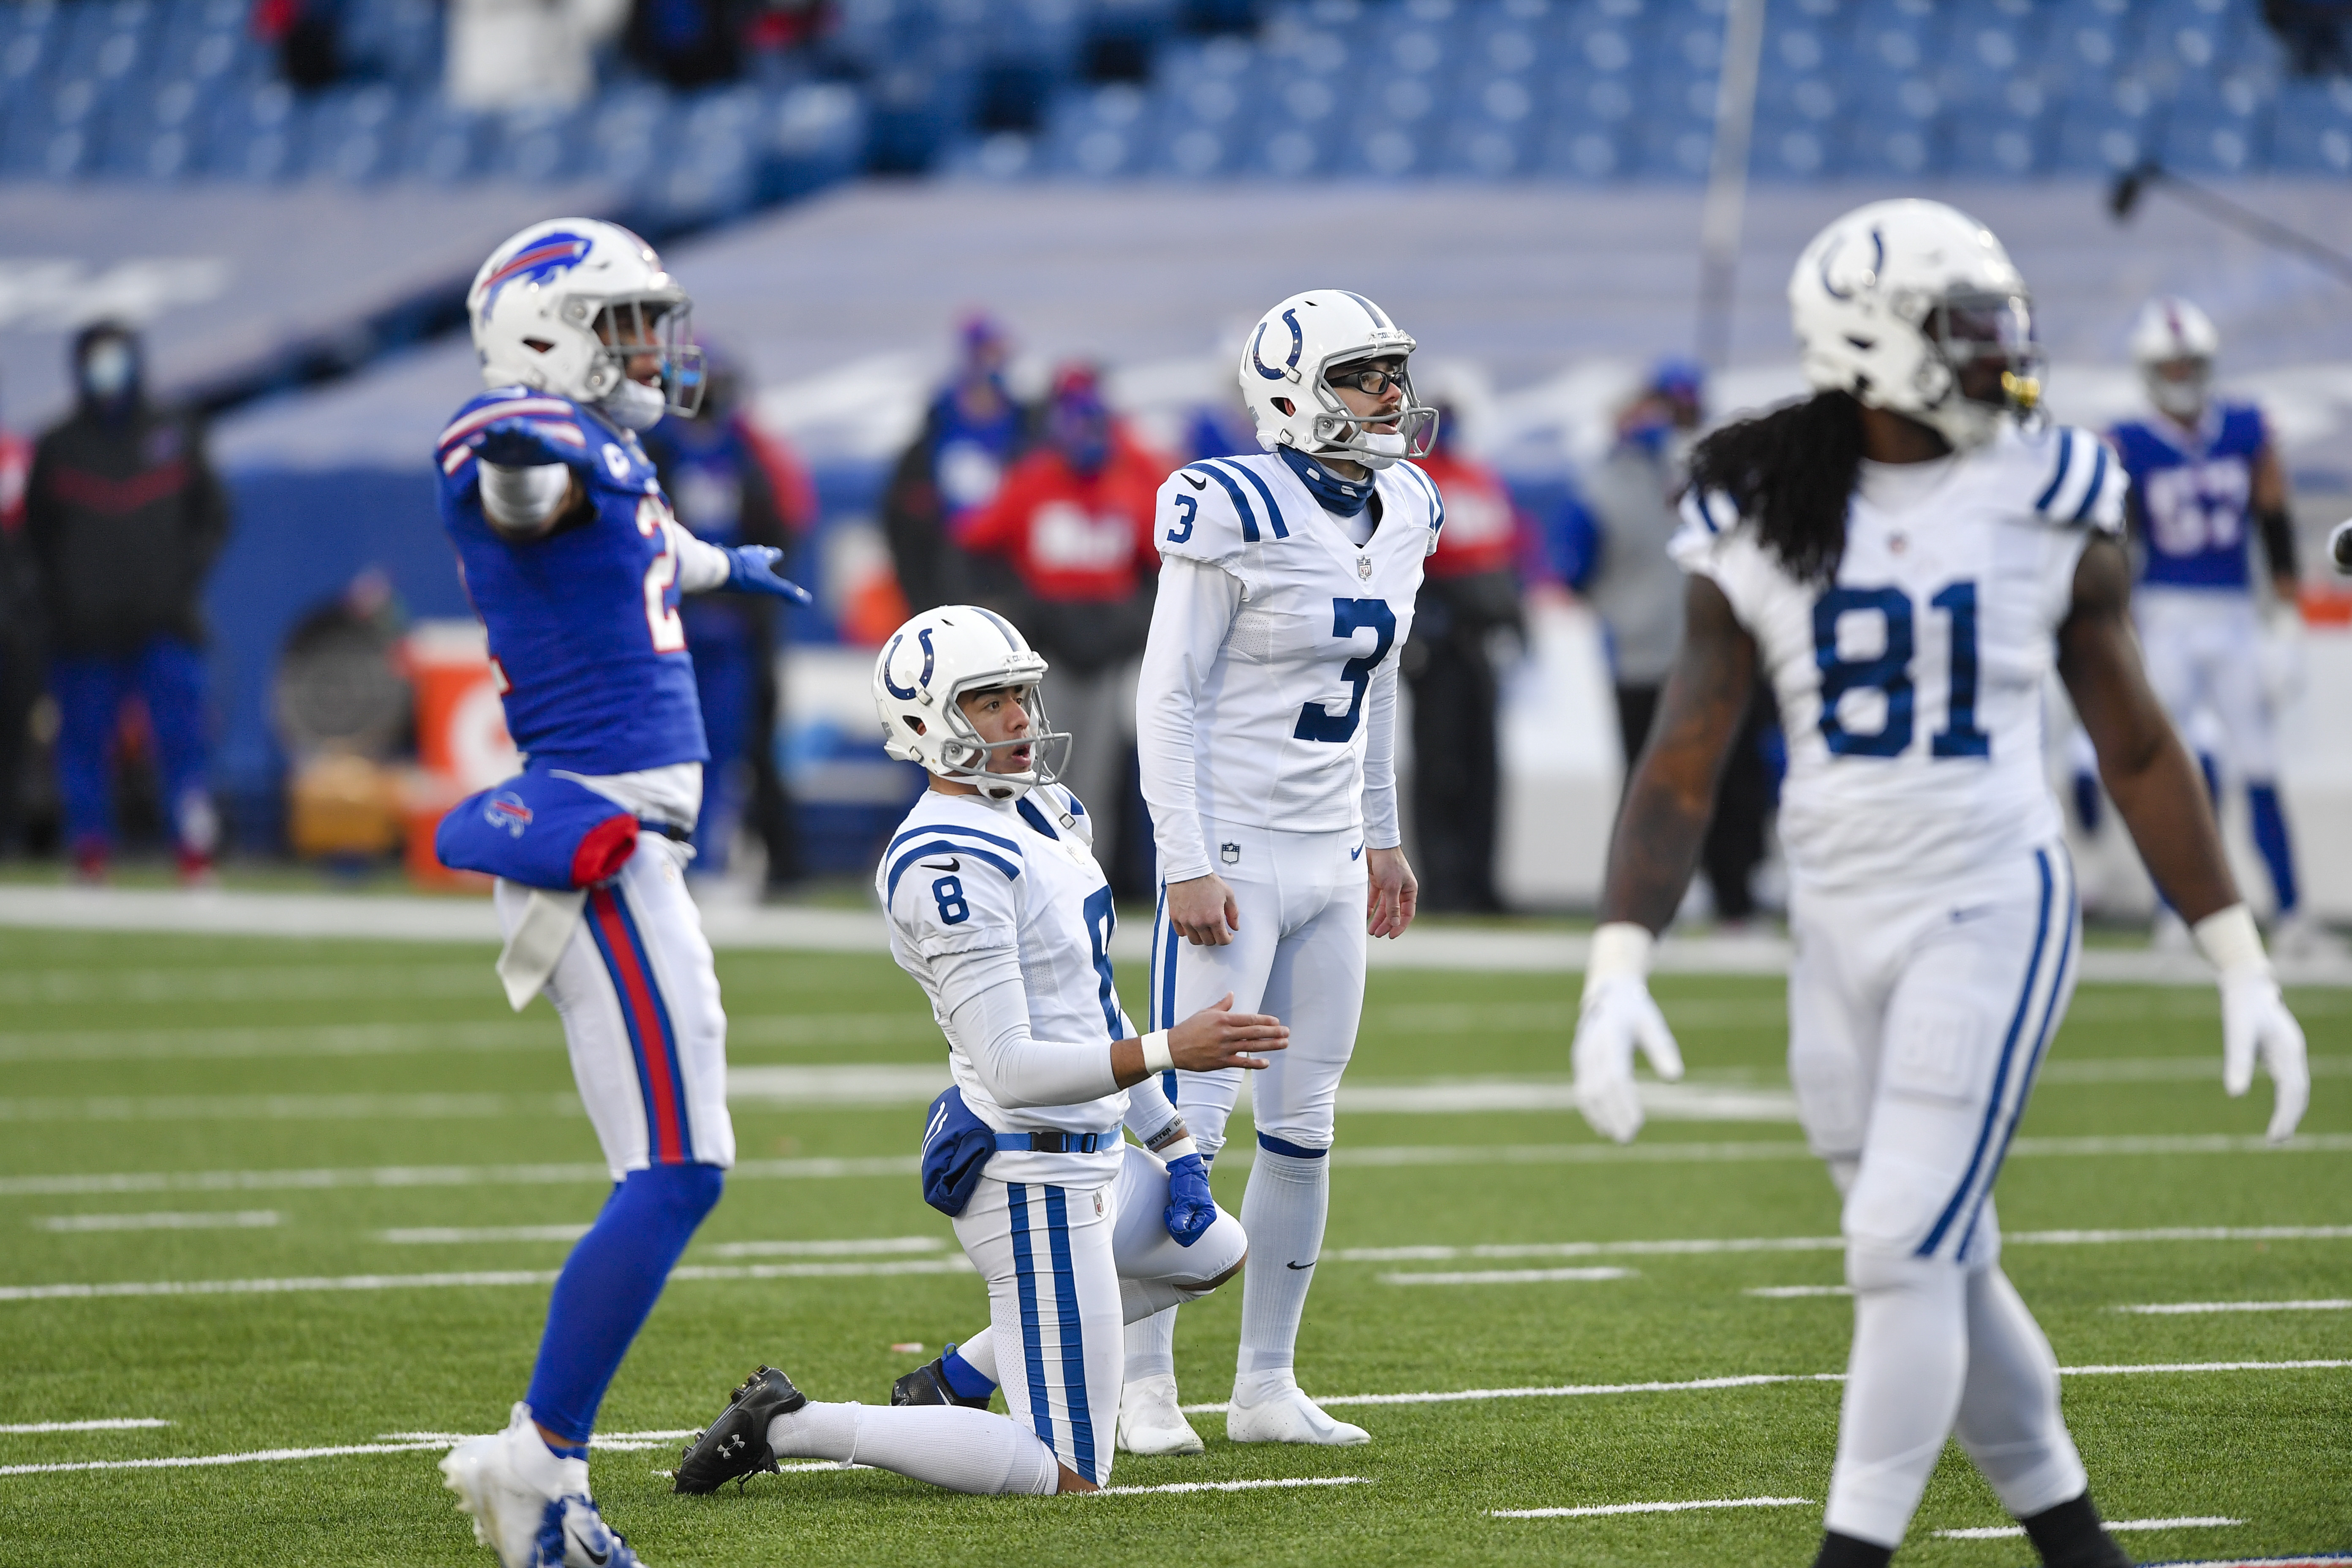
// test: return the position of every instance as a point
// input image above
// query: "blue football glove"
(1191, 1209)
(751, 569)
(525, 442)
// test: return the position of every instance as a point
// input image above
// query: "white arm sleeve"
(1196, 607)
(993, 1024)
(1149, 1113)
(1381, 829)
(701, 567)
(524, 501)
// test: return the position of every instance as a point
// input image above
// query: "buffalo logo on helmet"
(548, 256)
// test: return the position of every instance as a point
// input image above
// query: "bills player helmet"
(568, 306)
(1291, 351)
(2173, 343)
(926, 669)
(1895, 301)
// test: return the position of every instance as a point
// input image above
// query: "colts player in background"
(575, 564)
(1906, 559)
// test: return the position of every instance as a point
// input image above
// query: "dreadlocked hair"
(1791, 472)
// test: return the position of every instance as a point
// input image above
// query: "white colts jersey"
(1910, 688)
(966, 879)
(1287, 686)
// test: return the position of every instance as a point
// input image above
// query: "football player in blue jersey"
(575, 563)
(2205, 479)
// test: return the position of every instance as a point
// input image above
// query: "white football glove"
(1617, 1015)
(2256, 1023)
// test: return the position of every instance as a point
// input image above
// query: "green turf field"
(381, 1075)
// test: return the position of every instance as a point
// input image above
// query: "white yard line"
(1230, 1486)
(1507, 1277)
(620, 1442)
(2184, 1308)
(855, 1248)
(1648, 1508)
(193, 1461)
(288, 1107)
(458, 1236)
(1753, 1380)
(2007, 1531)
(1797, 1292)
(207, 1219)
(957, 1264)
(122, 1424)
(1700, 1246)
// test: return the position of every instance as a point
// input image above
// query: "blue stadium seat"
(255, 136)
(53, 131)
(1105, 134)
(1489, 132)
(440, 145)
(813, 134)
(354, 134)
(714, 170)
(2311, 133)
(2100, 133)
(1583, 148)
(1901, 147)
(2085, 43)
(152, 132)
(2218, 128)
(1795, 152)
(536, 146)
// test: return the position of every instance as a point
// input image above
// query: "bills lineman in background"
(998, 911)
(575, 563)
(2205, 482)
(1266, 726)
(1904, 557)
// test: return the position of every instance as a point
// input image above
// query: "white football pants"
(1066, 1268)
(1917, 1019)
(1297, 953)
(639, 1001)
(2204, 653)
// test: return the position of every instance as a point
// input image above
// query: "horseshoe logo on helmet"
(903, 693)
(1297, 345)
(1877, 263)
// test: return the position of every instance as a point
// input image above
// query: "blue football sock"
(2086, 803)
(608, 1285)
(2211, 769)
(967, 1382)
(2269, 837)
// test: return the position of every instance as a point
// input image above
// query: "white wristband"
(2229, 941)
(1155, 1055)
(1178, 1150)
(1620, 947)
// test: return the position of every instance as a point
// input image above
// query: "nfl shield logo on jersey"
(1231, 853)
(1364, 568)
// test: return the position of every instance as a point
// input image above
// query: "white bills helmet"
(924, 672)
(1284, 363)
(550, 306)
(2173, 332)
(1893, 300)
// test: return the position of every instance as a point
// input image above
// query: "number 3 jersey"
(585, 640)
(1268, 691)
(1911, 686)
(978, 893)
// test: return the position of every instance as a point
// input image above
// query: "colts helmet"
(2174, 332)
(550, 306)
(1893, 300)
(1282, 370)
(925, 670)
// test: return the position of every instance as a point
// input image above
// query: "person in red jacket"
(1071, 525)
(1469, 590)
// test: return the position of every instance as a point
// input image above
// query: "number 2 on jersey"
(1888, 672)
(661, 616)
(1349, 616)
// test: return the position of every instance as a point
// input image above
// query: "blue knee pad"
(609, 1283)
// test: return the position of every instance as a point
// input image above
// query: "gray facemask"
(634, 406)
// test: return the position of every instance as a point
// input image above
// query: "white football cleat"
(530, 1505)
(2298, 936)
(1287, 1415)
(1149, 1421)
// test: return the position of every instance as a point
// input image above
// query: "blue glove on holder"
(751, 569)
(1190, 1208)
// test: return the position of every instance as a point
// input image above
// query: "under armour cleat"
(529, 1504)
(1287, 1416)
(735, 1446)
(928, 1385)
(1149, 1421)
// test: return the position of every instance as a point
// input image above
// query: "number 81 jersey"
(1280, 721)
(585, 640)
(1911, 685)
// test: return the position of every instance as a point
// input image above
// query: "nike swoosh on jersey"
(1195, 483)
(952, 864)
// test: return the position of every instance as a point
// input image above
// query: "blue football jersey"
(585, 640)
(2194, 492)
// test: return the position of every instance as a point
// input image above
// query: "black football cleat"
(928, 1384)
(735, 1446)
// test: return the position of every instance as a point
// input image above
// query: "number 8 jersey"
(1288, 646)
(585, 638)
(1911, 686)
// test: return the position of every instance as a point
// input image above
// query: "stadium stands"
(1585, 90)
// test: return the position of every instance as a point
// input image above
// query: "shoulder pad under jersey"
(2079, 481)
(1208, 510)
(1420, 484)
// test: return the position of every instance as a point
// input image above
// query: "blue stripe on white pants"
(2052, 1008)
(1033, 1346)
(1073, 1337)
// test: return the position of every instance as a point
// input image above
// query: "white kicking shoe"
(530, 1506)
(1149, 1421)
(1285, 1415)
(2298, 936)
